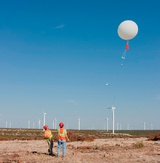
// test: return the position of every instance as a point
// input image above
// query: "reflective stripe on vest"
(61, 134)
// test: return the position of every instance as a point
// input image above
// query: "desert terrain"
(29, 146)
(115, 150)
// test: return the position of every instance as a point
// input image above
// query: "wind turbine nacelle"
(113, 107)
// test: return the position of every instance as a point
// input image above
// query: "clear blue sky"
(57, 56)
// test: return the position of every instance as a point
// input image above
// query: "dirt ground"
(114, 150)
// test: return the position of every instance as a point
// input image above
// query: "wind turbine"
(79, 123)
(53, 124)
(44, 118)
(144, 126)
(107, 124)
(117, 126)
(39, 123)
(112, 108)
(28, 124)
(107, 117)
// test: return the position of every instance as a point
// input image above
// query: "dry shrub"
(84, 137)
(96, 147)
(154, 137)
(72, 136)
(138, 145)
(84, 147)
(158, 136)
(151, 137)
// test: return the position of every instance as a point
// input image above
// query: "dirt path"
(115, 150)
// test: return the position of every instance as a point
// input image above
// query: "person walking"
(49, 138)
(62, 137)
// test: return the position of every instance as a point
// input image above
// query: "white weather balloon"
(127, 30)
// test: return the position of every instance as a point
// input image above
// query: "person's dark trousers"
(50, 150)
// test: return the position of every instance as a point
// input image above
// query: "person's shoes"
(49, 150)
(51, 154)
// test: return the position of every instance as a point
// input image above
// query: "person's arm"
(67, 136)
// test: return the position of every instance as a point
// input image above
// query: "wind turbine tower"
(44, 118)
(39, 123)
(144, 125)
(79, 123)
(28, 124)
(113, 108)
(107, 124)
(117, 126)
(53, 124)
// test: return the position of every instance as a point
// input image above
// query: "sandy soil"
(115, 150)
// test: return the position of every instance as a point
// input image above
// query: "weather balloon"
(127, 30)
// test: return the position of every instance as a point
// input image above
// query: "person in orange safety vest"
(49, 138)
(62, 137)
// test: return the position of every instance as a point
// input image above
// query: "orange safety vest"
(61, 134)
(48, 134)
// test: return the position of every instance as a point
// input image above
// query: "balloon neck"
(127, 46)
